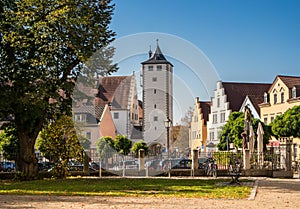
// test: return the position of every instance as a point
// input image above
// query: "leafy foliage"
(59, 143)
(122, 144)
(287, 124)
(105, 146)
(235, 127)
(9, 142)
(43, 47)
(140, 145)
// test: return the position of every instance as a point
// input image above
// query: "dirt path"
(270, 194)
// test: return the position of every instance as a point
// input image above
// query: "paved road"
(270, 194)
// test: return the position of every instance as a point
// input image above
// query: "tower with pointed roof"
(157, 86)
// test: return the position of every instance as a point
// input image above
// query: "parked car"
(44, 166)
(183, 164)
(81, 168)
(8, 166)
(129, 164)
(176, 163)
(202, 162)
(152, 164)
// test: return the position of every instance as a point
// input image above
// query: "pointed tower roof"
(157, 57)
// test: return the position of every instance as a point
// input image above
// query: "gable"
(288, 81)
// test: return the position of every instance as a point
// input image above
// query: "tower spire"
(150, 51)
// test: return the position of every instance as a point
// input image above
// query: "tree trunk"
(27, 160)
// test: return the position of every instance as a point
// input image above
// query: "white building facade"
(231, 97)
(157, 87)
(219, 113)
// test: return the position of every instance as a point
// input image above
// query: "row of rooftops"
(114, 90)
(236, 93)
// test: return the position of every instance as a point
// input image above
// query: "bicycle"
(211, 169)
(235, 169)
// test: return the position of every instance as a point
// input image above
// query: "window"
(294, 92)
(272, 118)
(266, 97)
(265, 120)
(77, 117)
(158, 67)
(89, 135)
(275, 98)
(282, 97)
(150, 68)
(154, 79)
(222, 117)
(211, 136)
(154, 106)
(80, 117)
(154, 91)
(195, 118)
(155, 118)
(218, 102)
(215, 118)
(116, 115)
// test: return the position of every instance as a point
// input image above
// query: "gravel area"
(267, 193)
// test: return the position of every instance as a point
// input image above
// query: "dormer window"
(80, 117)
(266, 97)
(294, 92)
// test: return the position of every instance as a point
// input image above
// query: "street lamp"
(168, 124)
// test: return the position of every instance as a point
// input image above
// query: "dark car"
(44, 166)
(202, 162)
(183, 164)
(176, 163)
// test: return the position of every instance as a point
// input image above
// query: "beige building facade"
(283, 94)
(198, 128)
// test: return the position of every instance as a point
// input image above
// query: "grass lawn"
(159, 187)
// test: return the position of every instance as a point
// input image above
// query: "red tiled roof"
(114, 90)
(256, 100)
(205, 107)
(289, 81)
(236, 93)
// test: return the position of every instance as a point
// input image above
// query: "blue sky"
(246, 41)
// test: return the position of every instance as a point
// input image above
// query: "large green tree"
(287, 124)
(59, 143)
(43, 47)
(140, 145)
(234, 127)
(105, 149)
(122, 144)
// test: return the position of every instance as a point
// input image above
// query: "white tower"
(157, 85)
